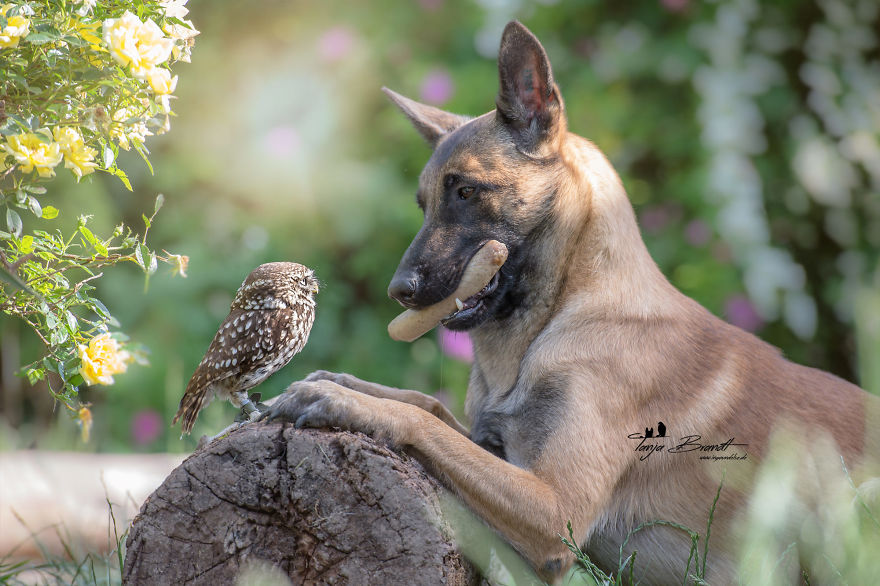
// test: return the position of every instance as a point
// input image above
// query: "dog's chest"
(515, 427)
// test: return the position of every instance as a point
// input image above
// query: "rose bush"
(78, 81)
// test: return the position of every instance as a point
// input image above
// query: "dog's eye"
(465, 192)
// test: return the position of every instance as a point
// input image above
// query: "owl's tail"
(190, 404)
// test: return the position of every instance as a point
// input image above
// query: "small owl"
(268, 323)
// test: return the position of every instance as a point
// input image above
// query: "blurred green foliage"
(285, 149)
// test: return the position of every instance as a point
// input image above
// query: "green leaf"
(13, 221)
(100, 309)
(109, 157)
(50, 363)
(160, 201)
(123, 177)
(50, 212)
(90, 238)
(101, 248)
(52, 56)
(143, 152)
(76, 380)
(61, 369)
(35, 206)
(37, 189)
(72, 322)
(146, 221)
(40, 38)
(153, 264)
(26, 245)
(35, 375)
(57, 338)
(138, 256)
(45, 135)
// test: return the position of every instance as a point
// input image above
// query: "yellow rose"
(77, 156)
(32, 153)
(101, 359)
(17, 27)
(140, 45)
(161, 81)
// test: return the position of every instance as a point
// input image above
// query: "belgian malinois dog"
(582, 349)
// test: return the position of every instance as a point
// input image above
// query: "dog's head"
(491, 177)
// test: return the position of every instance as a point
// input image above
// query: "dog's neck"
(594, 220)
(623, 280)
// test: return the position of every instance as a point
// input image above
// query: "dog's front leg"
(420, 400)
(524, 508)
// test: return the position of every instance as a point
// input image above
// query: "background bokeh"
(746, 134)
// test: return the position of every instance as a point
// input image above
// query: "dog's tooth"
(459, 304)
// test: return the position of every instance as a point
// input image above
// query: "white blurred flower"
(128, 125)
(86, 6)
(174, 8)
(826, 176)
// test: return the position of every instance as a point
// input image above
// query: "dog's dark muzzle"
(403, 287)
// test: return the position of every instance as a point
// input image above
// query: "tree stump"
(319, 507)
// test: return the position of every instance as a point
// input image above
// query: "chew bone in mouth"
(480, 278)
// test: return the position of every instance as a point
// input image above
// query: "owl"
(268, 323)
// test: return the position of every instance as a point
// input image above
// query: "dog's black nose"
(403, 288)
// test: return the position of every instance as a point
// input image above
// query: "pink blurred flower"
(146, 427)
(722, 253)
(675, 5)
(431, 5)
(437, 87)
(282, 142)
(335, 43)
(697, 233)
(456, 345)
(740, 312)
(654, 219)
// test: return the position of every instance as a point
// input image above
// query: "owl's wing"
(215, 369)
(272, 339)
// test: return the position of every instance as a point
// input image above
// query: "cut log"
(320, 507)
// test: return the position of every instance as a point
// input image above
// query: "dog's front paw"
(322, 403)
(311, 404)
(340, 378)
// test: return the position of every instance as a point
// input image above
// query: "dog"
(581, 345)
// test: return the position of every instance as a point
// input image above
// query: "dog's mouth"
(471, 307)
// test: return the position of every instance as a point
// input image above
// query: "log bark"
(319, 507)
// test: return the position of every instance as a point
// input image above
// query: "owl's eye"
(304, 281)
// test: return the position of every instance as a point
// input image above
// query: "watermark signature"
(648, 445)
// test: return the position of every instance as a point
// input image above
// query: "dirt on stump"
(315, 506)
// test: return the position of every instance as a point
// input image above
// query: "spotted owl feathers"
(268, 323)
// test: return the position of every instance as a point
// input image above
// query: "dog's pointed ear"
(432, 123)
(528, 101)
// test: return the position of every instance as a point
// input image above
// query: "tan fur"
(629, 348)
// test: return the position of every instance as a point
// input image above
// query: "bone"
(413, 323)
